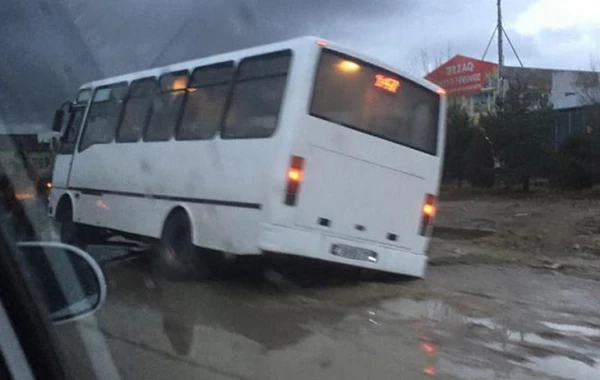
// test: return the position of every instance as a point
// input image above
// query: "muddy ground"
(557, 233)
(474, 322)
(512, 293)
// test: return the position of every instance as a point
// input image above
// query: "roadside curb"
(470, 258)
(581, 269)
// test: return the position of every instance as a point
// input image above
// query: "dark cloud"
(49, 48)
(134, 35)
(43, 60)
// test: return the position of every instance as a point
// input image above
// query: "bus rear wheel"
(176, 257)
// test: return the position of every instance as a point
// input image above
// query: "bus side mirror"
(59, 116)
(58, 120)
(55, 144)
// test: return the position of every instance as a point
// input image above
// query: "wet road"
(323, 322)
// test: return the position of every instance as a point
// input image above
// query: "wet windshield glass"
(266, 190)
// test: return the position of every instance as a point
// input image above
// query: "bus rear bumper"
(318, 245)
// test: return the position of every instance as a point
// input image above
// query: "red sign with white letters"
(463, 75)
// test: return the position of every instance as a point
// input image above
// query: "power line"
(512, 47)
(489, 43)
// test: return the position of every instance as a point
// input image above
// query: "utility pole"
(500, 30)
(501, 34)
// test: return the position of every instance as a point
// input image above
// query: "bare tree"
(588, 83)
(428, 59)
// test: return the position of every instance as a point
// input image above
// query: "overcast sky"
(546, 33)
(127, 35)
(50, 47)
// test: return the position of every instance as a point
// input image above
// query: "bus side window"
(103, 116)
(166, 107)
(257, 96)
(137, 110)
(205, 101)
(425, 138)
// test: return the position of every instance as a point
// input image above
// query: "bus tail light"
(428, 214)
(295, 175)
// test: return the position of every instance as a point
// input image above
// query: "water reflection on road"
(249, 326)
(226, 330)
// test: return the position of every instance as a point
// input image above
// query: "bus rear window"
(363, 97)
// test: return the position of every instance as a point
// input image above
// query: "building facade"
(473, 83)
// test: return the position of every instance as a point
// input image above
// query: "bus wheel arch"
(175, 256)
(69, 231)
(179, 211)
(64, 208)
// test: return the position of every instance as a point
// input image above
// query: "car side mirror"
(70, 282)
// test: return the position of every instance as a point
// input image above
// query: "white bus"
(301, 147)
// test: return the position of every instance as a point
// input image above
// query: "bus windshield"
(362, 96)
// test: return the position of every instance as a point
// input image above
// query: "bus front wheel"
(176, 257)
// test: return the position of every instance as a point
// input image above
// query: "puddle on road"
(570, 329)
(212, 325)
(544, 349)
(434, 310)
(564, 367)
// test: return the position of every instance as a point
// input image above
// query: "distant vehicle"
(25, 173)
(24, 159)
(301, 147)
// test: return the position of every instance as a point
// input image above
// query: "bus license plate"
(355, 253)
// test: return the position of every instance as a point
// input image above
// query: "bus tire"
(176, 257)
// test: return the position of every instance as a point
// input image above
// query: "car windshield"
(333, 190)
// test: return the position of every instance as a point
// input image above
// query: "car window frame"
(27, 316)
(13, 362)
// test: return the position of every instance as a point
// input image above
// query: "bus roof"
(236, 55)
